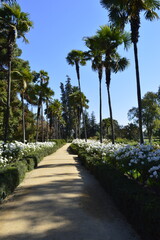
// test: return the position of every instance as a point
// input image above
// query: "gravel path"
(60, 200)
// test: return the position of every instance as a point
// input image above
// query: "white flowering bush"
(12, 152)
(141, 162)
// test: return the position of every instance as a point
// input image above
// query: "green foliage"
(12, 176)
(150, 113)
(139, 205)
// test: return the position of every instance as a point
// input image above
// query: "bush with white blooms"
(141, 162)
(11, 152)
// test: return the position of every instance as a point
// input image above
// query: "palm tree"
(78, 101)
(77, 57)
(97, 65)
(107, 40)
(54, 114)
(22, 75)
(122, 12)
(14, 24)
(41, 81)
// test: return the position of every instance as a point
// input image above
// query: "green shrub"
(9, 180)
(137, 203)
(11, 176)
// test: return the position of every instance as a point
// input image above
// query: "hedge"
(12, 176)
(140, 205)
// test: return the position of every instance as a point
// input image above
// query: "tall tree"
(68, 115)
(41, 89)
(150, 113)
(107, 40)
(55, 118)
(122, 12)
(77, 58)
(78, 102)
(14, 24)
(97, 65)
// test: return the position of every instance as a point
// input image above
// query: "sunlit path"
(60, 200)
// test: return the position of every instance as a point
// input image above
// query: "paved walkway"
(60, 200)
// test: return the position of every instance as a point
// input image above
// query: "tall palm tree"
(77, 58)
(54, 114)
(14, 24)
(107, 40)
(97, 65)
(22, 77)
(78, 101)
(41, 80)
(122, 12)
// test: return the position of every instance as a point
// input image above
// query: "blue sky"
(59, 27)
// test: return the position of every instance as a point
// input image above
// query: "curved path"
(60, 200)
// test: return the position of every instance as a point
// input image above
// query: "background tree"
(55, 119)
(41, 80)
(150, 113)
(108, 39)
(14, 24)
(96, 56)
(78, 102)
(67, 111)
(77, 58)
(107, 128)
(122, 12)
(129, 132)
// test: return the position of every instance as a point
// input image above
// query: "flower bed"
(18, 158)
(140, 205)
(141, 162)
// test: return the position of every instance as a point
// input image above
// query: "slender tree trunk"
(42, 123)
(110, 111)
(84, 124)
(37, 124)
(79, 124)
(47, 122)
(78, 76)
(23, 118)
(7, 114)
(100, 106)
(79, 86)
(138, 92)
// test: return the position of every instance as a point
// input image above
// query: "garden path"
(60, 200)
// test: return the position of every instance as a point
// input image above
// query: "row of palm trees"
(32, 86)
(14, 24)
(103, 47)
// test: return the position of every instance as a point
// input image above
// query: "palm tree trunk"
(84, 124)
(37, 124)
(79, 86)
(110, 111)
(7, 114)
(78, 76)
(79, 124)
(23, 118)
(100, 106)
(47, 122)
(138, 92)
(42, 123)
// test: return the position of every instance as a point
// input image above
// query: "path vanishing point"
(60, 200)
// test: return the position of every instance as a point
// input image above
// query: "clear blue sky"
(59, 27)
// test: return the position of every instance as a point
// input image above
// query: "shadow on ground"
(71, 205)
